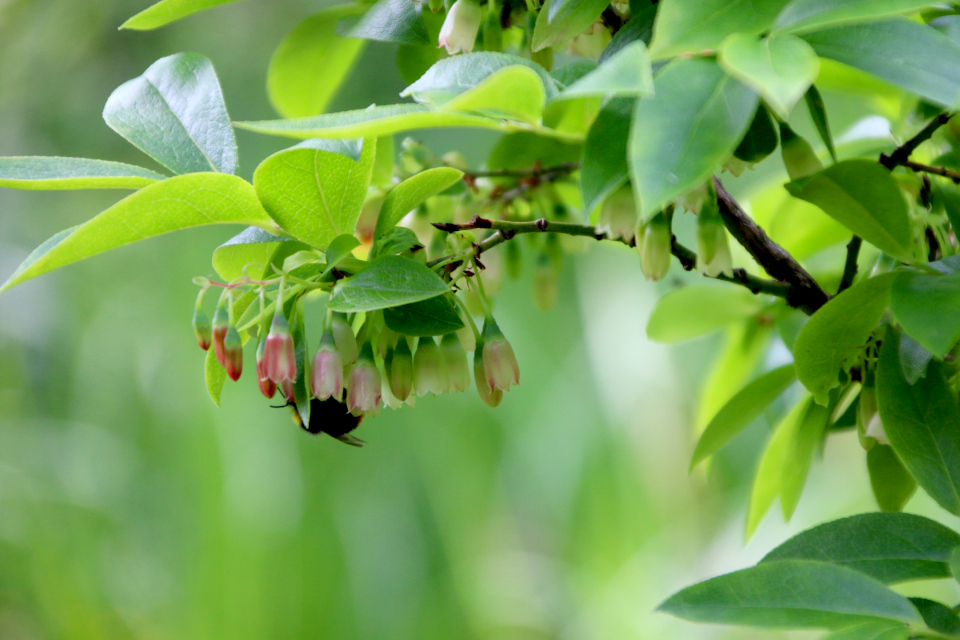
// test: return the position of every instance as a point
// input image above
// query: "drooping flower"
(455, 357)
(429, 368)
(713, 247)
(460, 28)
(280, 363)
(346, 341)
(399, 369)
(327, 377)
(618, 216)
(655, 248)
(233, 353)
(499, 362)
(267, 386)
(363, 389)
(221, 322)
(202, 329)
(489, 395)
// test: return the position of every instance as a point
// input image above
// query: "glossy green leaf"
(175, 113)
(791, 593)
(252, 246)
(938, 616)
(682, 135)
(382, 121)
(741, 410)
(638, 28)
(928, 308)
(214, 375)
(807, 15)
(871, 631)
(339, 249)
(397, 21)
(892, 484)
(316, 189)
(909, 54)
(407, 195)
(889, 547)
(175, 203)
(679, 314)
(914, 358)
(922, 422)
(396, 240)
(562, 20)
(437, 316)
(389, 281)
(780, 68)
(311, 63)
(453, 76)
(514, 92)
(768, 481)
(167, 11)
(864, 197)
(36, 173)
(836, 334)
(604, 168)
(818, 113)
(626, 74)
(761, 138)
(695, 25)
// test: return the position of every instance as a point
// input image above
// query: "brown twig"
(926, 168)
(902, 154)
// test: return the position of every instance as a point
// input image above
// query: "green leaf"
(679, 314)
(311, 63)
(871, 631)
(928, 308)
(251, 246)
(604, 167)
(769, 479)
(36, 173)
(836, 334)
(214, 375)
(382, 121)
(922, 422)
(681, 135)
(761, 138)
(639, 27)
(389, 281)
(383, 162)
(397, 21)
(396, 240)
(167, 11)
(889, 547)
(955, 564)
(562, 20)
(407, 195)
(806, 15)
(863, 196)
(741, 410)
(938, 616)
(799, 455)
(909, 54)
(628, 73)
(316, 189)
(339, 249)
(914, 358)
(175, 203)
(301, 386)
(892, 484)
(175, 114)
(452, 76)
(780, 68)
(791, 593)
(514, 92)
(695, 25)
(437, 316)
(818, 113)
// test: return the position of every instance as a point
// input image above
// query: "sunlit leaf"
(36, 173)
(167, 11)
(405, 197)
(389, 281)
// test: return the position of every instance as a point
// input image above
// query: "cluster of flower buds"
(227, 345)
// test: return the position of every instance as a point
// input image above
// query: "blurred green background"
(131, 507)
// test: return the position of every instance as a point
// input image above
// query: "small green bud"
(655, 247)
(202, 329)
(618, 216)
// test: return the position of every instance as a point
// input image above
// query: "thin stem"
(902, 153)
(535, 170)
(466, 314)
(850, 267)
(926, 168)
(488, 313)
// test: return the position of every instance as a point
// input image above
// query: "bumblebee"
(331, 417)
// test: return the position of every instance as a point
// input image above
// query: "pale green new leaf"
(799, 455)
(36, 173)
(928, 308)
(604, 168)
(626, 73)
(807, 15)
(175, 113)
(911, 55)
(514, 92)
(837, 333)
(167, 11)
(682, 135)
(889, 547)
(780, 68)
(407, 195)
(679, 314)
(791, 593)
(316, 189)
(214, 375)
(862, 195)
(562, 20)
(452, 76)
(768, 481)
(741, 410)
(697, 25)
(311, 63)
(388, 281)
(175, 203)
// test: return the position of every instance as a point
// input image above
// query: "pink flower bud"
(280, 363)
(233, 353)
(399, 368)
(454, 356)
(202, 329)
(221, 322)
(499, 363)
(327, 370)
(489, 395)
(429, 368)
(267, 386)
(346, 341)
(459, 30)
(286, 387)
(363, 390)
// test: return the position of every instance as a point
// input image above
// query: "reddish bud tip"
(233, 354)
(202, 329)
(280, 363)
